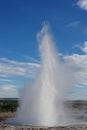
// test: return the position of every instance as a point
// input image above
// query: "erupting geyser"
(42, 103)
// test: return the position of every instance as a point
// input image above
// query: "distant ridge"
(9, 99)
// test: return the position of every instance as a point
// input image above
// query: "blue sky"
(21, 20)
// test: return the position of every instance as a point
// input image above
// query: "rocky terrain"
(78, 108)
(18, 127)
(6, 115)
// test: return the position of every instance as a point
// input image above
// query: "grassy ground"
(7, 108)
(8, 105)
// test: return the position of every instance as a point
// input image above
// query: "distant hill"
(10, 99)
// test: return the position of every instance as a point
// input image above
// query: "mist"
(42, 102)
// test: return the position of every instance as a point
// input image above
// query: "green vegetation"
(8, 105)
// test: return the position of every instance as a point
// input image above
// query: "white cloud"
(5, 80)
(60, 54)
(9, 91)
(32, 59)
(79, 65)
(84, 47)
(73, 24)
(6, 60)
(82, 4)
(78, 46)
(13, 68)
(8, 87)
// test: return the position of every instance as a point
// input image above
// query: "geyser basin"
(42, 103)
(18, 127)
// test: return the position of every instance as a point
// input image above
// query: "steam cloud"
(42, 103)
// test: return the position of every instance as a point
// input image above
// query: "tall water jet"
(42, 103)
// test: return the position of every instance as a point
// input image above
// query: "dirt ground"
(18, 127)
(6, 115)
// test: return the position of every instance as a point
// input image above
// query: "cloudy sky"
(21, 20)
